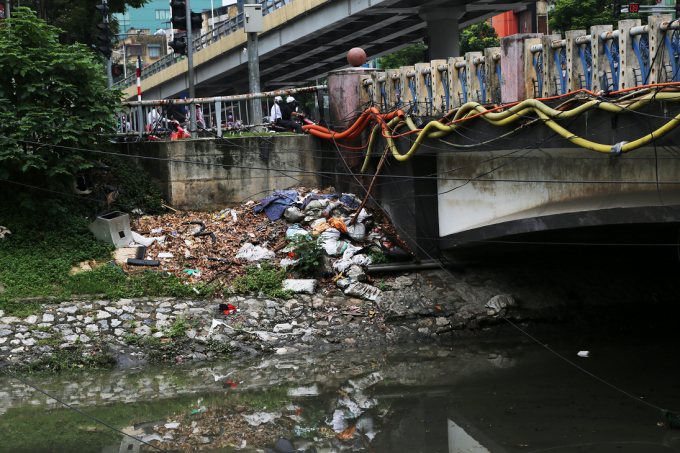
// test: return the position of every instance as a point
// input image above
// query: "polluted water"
(465, 396)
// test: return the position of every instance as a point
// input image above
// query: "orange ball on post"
(356, 57)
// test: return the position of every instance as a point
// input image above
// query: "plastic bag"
(295, 229)
(357, 232)
(293, 215)
(317, 204)
(254, 253)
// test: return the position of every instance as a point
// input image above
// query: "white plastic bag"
(255, 253)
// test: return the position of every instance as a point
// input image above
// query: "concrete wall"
(217, 182)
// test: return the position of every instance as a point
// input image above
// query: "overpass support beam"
(442, 30)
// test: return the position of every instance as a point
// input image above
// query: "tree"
(404, 57)
(78, 19)
(478, 37)
(583, 14)
(50, 94)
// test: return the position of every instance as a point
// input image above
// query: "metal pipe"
(673, 25)
(396, 76)
(426, 71)
(606, 36)
(536, 48)
(460, 64)
(559, 44)
(382, 79)
(367, 82)
(478, 60)
(397, 267)
(411, 74)
(443, 68)
(496, 56)
(582, 40)
(240, 97)
(640, 30)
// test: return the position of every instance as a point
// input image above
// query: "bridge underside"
(536, 186)
(310, 45)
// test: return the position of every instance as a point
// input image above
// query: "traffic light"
(196, 21)
(179, 44)
(105, 39)
(617, 9)
(179, 14)
(117, 70)
(677, 9)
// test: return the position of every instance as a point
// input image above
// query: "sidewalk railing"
(220, 31)
(214, 115)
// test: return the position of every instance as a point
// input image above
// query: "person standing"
(275, 116)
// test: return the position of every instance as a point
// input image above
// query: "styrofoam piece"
(300, 285)
(113, 228)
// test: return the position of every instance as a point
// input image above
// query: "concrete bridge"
(305, 39)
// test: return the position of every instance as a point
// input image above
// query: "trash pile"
(219, 246)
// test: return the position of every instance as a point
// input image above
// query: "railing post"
(380, 90)
(458, 81)
(218, 117)
(600, 62)
(394, 88)
(552, 66)
(423, 81)
(474, 88)
(533, 69)
(366, 90)
(492, 67)
(408, 89)
(575, 69)
(656, 38)
(441, 92)
(629, 65)
(140, 120)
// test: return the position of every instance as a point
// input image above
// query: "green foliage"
(133, 339)
(140, 192)
(404, 57)
(178, 328)
(311, 251)
(50, 94)
(378, 257)
(267, 279)
(478, 37)
(69, 359)
(583, 14)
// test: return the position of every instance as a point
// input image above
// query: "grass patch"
(268, 279)
(68, 359)
(378, 257)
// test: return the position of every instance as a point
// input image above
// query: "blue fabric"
(349, 201)
(275, 204)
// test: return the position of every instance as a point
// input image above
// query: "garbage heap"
(219, 246)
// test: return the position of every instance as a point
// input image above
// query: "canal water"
(510, 395)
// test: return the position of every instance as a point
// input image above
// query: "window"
(154, 52)
(133, 50)
(162, 14)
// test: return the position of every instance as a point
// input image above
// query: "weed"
(52, 341)
(40, 328)
(178, 328)
(309, 250)
(268, 279)
(378, 257)
(133, 324)
(132, 339)
(383, 285)
(70, 359)
(155, 329)
(220, 348)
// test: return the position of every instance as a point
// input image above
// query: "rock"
(424, 330)
(67, 346)
(283, 327)
(118, 332)
(84, 338)
(199, 356)
(293, 215)
(41, 335)
(343, 283)
(127, 317)
(300, 285)
(70, 338)
(116, 322)
(28, 342)
(356, 274)
(70, 310)
(363, 290)
(441, 321)
(403, 281)
(103, 314)
(317, 302)
(501, 302)
(31, 319)
(48, 318)
(444, 329)
(191, 334)
(92, 328)
(5, 332)
(143, 330)
(180, 306)
(128, 308)
(104, 323)
(350, 340)
(281, 350)
(116, 311)
(161, 317)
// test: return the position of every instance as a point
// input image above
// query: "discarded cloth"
(275, 204)
(316, 196)
(338, 224)
(349, 200)
(146, 242)
(320, 228)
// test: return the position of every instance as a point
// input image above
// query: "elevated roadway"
(305, 39)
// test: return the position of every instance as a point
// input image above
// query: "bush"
(310, 251)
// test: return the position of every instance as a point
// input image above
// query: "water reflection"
(475, 397)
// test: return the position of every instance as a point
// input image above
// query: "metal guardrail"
(214, 114)
(224, 29)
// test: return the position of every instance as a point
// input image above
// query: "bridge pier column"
(442, 29)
